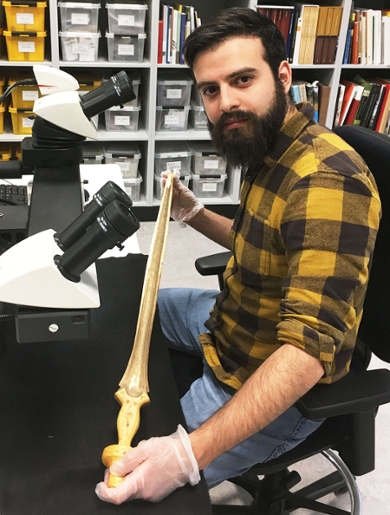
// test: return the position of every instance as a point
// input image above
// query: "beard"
(246, 146)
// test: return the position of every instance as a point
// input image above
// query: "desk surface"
(58, 412)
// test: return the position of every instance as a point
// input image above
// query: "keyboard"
(13, 195)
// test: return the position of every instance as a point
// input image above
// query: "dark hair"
(236, 22)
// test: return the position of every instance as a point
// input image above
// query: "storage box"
(79, 46)
(172, 156)
(127, 19)
(92, 153)
(22, 120)
(25, 16)
(5, 150)
(25, 95)
(172, 118)
(128, 49)
(127, 155)
(208, 186)
(2, 110)
(133, 188)
(173, 89)
(79, 16)
(25, 46)
(122, 119)
(157, 184)
(206, 160)
(198, 118)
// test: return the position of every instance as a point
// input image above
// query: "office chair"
(347, 437)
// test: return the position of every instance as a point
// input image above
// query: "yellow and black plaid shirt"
(302, 242)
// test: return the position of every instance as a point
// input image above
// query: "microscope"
(50, 276)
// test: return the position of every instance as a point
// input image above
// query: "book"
(386, 40)
(367, 85)
(297, 39)
(160, 42)
(339, 103)
(349, 93)
(320, 35)
(309, 18)
(323, 102)
(384, 108)
(367, 14)
(371, 101)
(330, 57)
(328, 25)
(355, 54)
(308, 53)
(350, 118)
(371, 124)
(377, 37)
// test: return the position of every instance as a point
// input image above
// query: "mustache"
(234, 115)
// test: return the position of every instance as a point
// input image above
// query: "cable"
(23, 82)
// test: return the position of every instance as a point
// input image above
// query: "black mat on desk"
(58, 411)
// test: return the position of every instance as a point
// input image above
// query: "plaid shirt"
(302, 243)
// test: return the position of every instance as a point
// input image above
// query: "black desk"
(58, 412)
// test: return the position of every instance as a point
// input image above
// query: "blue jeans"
(183, 312)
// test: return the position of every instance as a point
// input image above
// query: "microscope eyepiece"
(115, 91)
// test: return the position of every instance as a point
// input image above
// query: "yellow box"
(5, 151)
(87, 82)
(22, 17)
(22, 120)
(25, 46)
(2, 109)
(25, 95)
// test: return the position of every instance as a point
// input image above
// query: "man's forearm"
(212, 225)
(282, 379)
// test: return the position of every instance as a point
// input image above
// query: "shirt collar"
(290, 131)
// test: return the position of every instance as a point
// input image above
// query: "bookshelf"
(146, 137)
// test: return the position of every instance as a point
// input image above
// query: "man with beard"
(301, 240)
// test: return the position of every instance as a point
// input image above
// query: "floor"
(183, 246)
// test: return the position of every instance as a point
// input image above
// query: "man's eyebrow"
(231, 76)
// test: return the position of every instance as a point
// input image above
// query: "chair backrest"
(375, 326)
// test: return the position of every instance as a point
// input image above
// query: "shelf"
(189, 134)
(103, 63)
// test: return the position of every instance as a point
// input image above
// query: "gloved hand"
(185, 205)
(153, 469)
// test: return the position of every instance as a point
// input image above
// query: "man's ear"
(285, 75)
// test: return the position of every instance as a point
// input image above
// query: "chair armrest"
(214, 264)
(357, 391)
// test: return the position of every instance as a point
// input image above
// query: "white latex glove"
(153, 469)
(185, 205)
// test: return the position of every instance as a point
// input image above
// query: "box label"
(80, 49)
(122, 120)
(27, 123)
(29, 96)
(126, 20)
(26, 46)
(172, 119)
(79, 19)
(174, 165)
(211, 164)
(125, 49)
(209, 186)
(174, 93)
(25, 18)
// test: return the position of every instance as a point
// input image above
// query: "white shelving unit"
(146, 136)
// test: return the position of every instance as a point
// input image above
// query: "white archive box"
(80, 46)
(125, 48)
(92, 153)
(126, 18)
(172, 156)
(79, 16)
(206, 160)
(172, 118)
(125, 154)
(198, 117)
(208, 186)
(124, 118)
(173, 88)
(133, 187)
